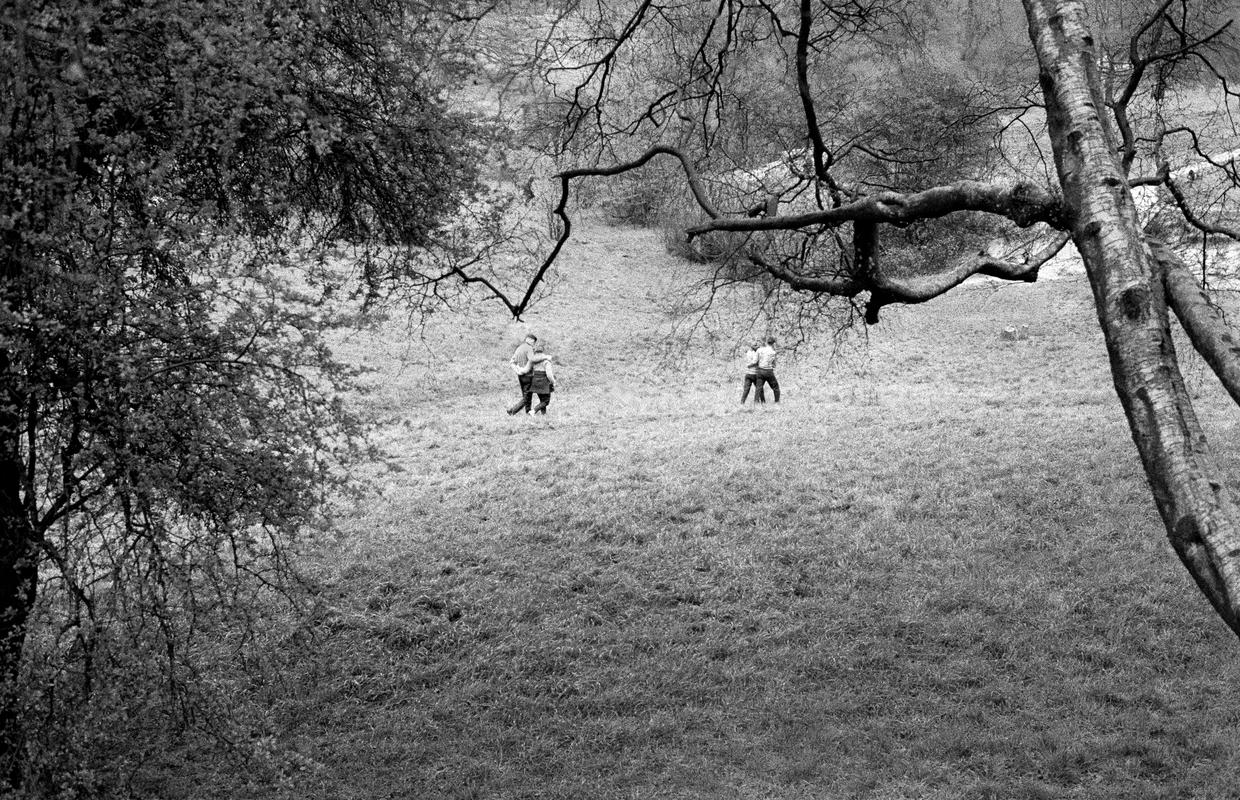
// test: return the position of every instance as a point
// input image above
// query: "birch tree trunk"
(1196, 507)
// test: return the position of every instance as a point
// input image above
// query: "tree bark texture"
(1203, 321)
(1199, 513)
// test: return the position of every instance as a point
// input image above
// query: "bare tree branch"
(1023, 203)
(1203, 321)
(840, 284)
(1186, 47)
(822, 157)
(885, 289)
(1191, 217)
(560, 210)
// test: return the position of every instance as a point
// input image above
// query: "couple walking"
(760, 370)
(532, 366)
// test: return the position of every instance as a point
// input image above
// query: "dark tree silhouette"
(173, 176)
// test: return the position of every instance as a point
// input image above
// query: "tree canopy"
(175, 179)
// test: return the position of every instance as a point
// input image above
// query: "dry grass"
(934, 571)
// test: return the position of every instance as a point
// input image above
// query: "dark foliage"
(169, 420)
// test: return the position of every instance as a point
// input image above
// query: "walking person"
(766, 367)
(751, 376)
(520, 363)
(542, 378)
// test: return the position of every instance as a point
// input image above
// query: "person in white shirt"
(751, 377)
(520, 363)
(766, 367)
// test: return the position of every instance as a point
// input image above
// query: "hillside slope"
(933, 570)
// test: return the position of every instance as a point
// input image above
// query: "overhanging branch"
(885, 289)
(1023, 203)
(920, 288)
(560, 210)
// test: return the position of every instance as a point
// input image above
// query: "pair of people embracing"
(532, 366)
(760, 371)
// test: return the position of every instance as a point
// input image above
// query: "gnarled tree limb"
(1023, 203)
(920, 288)
(885, 289)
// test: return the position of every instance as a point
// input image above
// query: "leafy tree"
(874, 119)
(176, 177)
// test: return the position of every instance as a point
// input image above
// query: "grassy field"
(933, 571)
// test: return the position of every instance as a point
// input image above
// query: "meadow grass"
(933, 571)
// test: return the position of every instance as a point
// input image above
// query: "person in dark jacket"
(542, 378)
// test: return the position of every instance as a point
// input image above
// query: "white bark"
(1200, 515)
